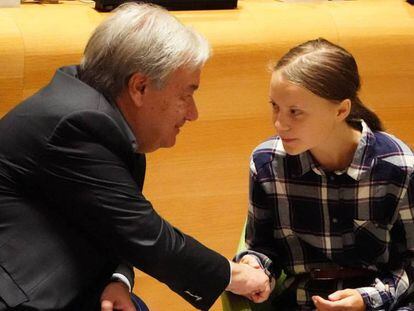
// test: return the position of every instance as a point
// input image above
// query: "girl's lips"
(288, 140)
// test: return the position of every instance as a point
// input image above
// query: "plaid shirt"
(302, 218)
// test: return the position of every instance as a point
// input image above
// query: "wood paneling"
(201, 184)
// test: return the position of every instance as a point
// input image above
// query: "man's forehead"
(186, 79)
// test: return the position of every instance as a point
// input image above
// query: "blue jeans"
(138, 303)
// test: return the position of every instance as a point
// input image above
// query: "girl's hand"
(344, 300)
(251, 261)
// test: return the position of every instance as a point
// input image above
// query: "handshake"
(249, 279)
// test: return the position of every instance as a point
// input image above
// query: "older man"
(72, 165)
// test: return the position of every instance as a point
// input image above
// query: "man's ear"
(344, 109)
(137, 85)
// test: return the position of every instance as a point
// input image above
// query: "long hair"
(140, 38)
(330, 72)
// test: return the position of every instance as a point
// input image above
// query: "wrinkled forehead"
(185, 79)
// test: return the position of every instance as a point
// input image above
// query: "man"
(72, 165)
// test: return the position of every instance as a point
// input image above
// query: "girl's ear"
(344, 109)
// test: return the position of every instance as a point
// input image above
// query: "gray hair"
(140, 38)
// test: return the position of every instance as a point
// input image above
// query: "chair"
(232, 302)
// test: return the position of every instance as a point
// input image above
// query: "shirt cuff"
(372, 298)
(122, 278)
(231, 270)
(265, 263)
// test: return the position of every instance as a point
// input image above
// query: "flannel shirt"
(302, 218)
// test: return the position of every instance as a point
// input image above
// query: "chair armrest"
(232, 302)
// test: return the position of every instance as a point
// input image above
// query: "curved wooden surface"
(201, 184)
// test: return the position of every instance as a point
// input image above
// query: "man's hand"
(344, 300)
(250, 282)
(116, 296)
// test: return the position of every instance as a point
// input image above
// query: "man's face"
(164, 111)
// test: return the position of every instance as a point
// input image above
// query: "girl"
(331, 196)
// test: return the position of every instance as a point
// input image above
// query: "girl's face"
(303, 120)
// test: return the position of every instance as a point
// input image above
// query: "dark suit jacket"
(72, 208)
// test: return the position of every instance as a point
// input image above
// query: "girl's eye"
(295, 112)
(274, 106)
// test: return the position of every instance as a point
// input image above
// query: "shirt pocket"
(371, 240)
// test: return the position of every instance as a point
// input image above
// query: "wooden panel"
(11, 63)
(201, 185)
(54, 36)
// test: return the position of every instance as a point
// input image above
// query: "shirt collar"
(364, 154)
(360, 165)
(129, 133)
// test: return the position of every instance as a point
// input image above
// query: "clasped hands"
(249, 280)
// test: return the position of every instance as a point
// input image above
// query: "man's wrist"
(231, 271)
(231, 275)
(237, 276)
(234, 271)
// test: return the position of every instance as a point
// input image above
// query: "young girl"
(331, 196)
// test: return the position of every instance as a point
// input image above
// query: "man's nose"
(192, 111)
